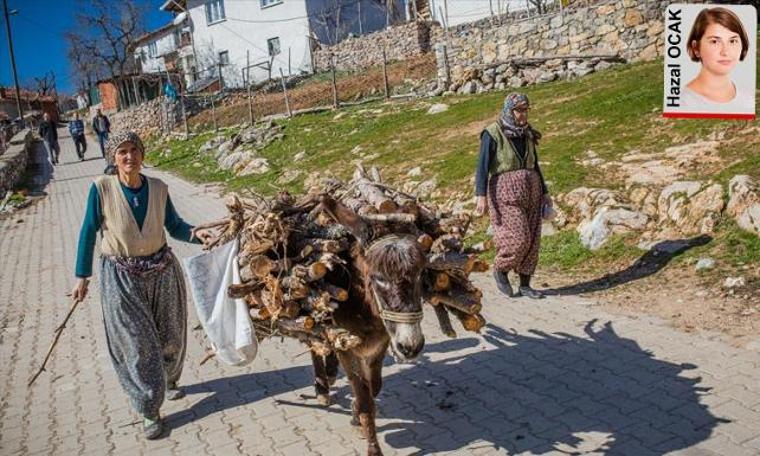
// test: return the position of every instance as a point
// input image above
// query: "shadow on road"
(539, 392)
(651, 262)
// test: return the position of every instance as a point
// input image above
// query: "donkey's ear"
(347, 218)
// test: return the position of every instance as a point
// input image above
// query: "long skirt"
(515, 201)
(145, 318)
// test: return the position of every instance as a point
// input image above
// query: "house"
(31, 102)
(270, 36)
(455, 12)
(154, 50)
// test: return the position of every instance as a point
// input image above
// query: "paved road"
(552, 377)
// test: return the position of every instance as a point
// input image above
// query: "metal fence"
(287, 96)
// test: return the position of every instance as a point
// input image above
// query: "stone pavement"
(557, 376)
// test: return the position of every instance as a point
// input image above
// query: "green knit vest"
(507, 158)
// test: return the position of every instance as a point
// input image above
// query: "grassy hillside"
(610, 112)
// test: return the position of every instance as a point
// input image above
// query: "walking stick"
(58, 332)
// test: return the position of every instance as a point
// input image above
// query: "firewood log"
(310, 273)
(372, 194)
(442, 281)
(388, 217)
(342, 339)
(336, 293)
(470, 322)
(260, 313)
(374, 175)
(331, 260)
(296, 287)
(425, 241)
(458, 299)
(444, 321)
(240, 290)
(447, 243)
(324, 245)
(451, 260)
(480, 266)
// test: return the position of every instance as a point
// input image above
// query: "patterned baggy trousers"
(515, 201)
(146, 329)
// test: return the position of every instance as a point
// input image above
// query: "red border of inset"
(705, 115)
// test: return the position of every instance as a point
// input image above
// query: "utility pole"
(13, 61)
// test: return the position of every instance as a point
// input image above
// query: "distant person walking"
(102, 127)
(48, 131)
(509, 174)
(76, 129)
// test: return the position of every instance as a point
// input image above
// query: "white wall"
(463, 11)
(165, 43)
(237, 36)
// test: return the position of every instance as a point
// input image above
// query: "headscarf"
(507, 123)
(116, 140)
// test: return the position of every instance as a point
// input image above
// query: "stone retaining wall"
(147, 119)
(400, 42)
(626, 29)
(13, 161)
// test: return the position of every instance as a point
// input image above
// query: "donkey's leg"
(331, 368)
(364, 403)
(376, 373)
(321, 378)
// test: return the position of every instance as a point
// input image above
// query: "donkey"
(384, 308)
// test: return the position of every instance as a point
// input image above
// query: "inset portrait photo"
(710, 59)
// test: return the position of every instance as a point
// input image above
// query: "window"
(265, 3)
(224, 57)
(152, 49)
(273, 44)
(214, 11)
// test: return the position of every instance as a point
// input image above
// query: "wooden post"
(285, 91)
(361, 29)
(182, 94)
(247, 79)
(385, 76)
(446, 12)
(137, 93)
(334, 82)
(213, 114)
(289, 61)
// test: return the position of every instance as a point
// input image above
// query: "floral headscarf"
(118, 139)
(507, 119)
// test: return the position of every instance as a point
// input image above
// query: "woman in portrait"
(719, 42)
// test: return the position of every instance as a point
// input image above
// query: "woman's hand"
(481, 205)
(79, 292)
(203, 235)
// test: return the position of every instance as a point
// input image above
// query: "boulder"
(289, 176)
(426, 188)
(415, 172)
(705, 263)
(594, 233)
(232, 160)
(438, 108)
(744, 203)
(299, 156)
(693, 207)
(224, 149)
(255, 166)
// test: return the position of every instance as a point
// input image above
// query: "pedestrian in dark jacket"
(48, 131)
(76, 128)
(102, 127)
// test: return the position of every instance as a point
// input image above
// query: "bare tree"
(45, 84)
(107, 31)
(85, 67)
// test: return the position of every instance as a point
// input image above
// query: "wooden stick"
(58, 332)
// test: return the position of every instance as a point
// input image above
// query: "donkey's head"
(394, 265)
(391, 267)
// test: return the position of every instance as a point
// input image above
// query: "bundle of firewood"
(289, 248)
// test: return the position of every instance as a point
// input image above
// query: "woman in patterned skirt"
(141, 285)
(509, 174)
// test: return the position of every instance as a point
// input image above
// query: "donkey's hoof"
(331, 380)
(323, 399)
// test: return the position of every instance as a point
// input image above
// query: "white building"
(153, 49)
(273, 35)
(463, 11)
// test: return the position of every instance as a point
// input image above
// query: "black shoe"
(502, 282)
(153, 428)
(173, 393)
(530, 292)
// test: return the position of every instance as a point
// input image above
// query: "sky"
(38, 42)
